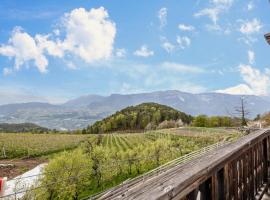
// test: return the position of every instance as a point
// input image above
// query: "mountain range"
(80, 112)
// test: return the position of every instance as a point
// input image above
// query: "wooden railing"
(238, 170)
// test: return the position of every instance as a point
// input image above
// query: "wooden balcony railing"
(238, 170)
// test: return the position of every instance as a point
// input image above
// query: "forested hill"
(20, 128)
(140, 117)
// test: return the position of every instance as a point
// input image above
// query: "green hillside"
(140, 117)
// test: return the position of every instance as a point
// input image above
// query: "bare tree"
(242, 111)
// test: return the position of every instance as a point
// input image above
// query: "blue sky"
(56, 50)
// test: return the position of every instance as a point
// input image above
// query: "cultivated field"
(95, 163)
(17, 145)
(188, 142)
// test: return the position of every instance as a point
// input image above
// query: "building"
(267, 37)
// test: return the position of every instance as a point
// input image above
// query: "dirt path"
(19, 166)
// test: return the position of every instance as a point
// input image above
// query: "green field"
(83, 165)
(18, 145)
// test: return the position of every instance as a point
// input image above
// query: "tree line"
(215, 121)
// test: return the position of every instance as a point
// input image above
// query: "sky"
(57, 50)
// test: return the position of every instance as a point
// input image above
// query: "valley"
(82, 111)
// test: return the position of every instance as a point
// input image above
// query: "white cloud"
(23, 48)
(181, 67)
(120, 53)
(259, 82)
(241, 89)
(250, 27)
(87, 34)
(168, 47)
(7, 71)
(184, 27)
(144, 52)
(213, 27)
(53, 48)
(250, 6)
(71, 65)
(183, 42)
(251, 57)
(56, 32)
(162, 15)
(256, 82)
(222, 3)
(212, 13)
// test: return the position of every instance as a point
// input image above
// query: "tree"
(84, 131)
(98, 156)
(64, 177)
(242, 111)
(214, 122)
(258, 117)
(129, 157)
(200, 121)
(158, 147)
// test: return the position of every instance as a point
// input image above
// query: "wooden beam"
(267, 37)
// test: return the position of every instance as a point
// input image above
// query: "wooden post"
(256, 168)
(214, 187)
(252, 173)
(268, 161)
(265, 161)
(245, 177)
(235, 182)
(240, 178)
(226, 183)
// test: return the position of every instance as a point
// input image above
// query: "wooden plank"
(268, 162)
(240, 179)
(214, 187)
(226, 183)
(245, 177)
(252, 172)
(256, 168)
(231, 186)
(235, 180)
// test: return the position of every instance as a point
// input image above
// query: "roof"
(267, 37)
